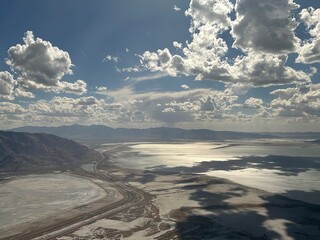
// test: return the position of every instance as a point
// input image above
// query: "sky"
(240, 65)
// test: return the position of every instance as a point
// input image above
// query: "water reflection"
(281, 167)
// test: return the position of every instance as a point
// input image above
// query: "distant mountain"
(99, 133)
(296, 135)
(27, 151)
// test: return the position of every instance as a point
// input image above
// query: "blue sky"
(240, 65)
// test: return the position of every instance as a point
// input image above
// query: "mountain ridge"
(108, 134)
(20, 151)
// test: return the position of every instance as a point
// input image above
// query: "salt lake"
(288, 167)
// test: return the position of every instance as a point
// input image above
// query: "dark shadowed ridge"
(28, 151)
(99, 133)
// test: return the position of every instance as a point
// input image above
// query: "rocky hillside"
(38, 151)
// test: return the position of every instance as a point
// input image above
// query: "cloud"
(99, 89)
(177, 45)
(310, 49)
(79, 87)
(7, 108)
(174, 107)
(255, 69)
(263, 63)
(176, 8)
(254, 102)
(20, 92)
(302, 101)
(152, 76)
(265, 69)
(111, 59)
(129, 69)
(185, 87)
(210, 11)
(7, 84)
(38, 61)
(39, 65)
(266, 26)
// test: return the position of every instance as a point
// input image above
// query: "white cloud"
(266, 69)
(254, 102)
(79, 87)
(299, 102)
(266, 26)
(39, 65)
(255, 69)
(10, 108)
(210, 11)
(100, 89)
(176, 8)
(38, 61)
(177, 45)
(205, 57)
(185, 87)
(20, 92)
(7, 84)
(310, 49)
(147, 77)
(129, 69)
(111, 58)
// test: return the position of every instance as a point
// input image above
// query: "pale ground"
(201, 207)
(29, 198)
(49, 199)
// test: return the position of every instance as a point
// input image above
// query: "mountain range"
(99, 133)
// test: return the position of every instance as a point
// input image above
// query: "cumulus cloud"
(210, 11)
(266, 69)
(310, 49)
(266, 26)
(173, 107)
(40, 65)
(255, 69)
(10, 108)
(38, 61)
(265, 43)
(254, 102)
(79, 87)
(20, 92)
(7, 84)
(302, 101)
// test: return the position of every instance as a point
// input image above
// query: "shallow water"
(291, 168)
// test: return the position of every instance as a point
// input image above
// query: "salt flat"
(32, 197)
